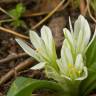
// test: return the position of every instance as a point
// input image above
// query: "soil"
(9, 48)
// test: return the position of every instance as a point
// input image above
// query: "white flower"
(44, 47)
(71, 65)
(70, 68)
(79, 39)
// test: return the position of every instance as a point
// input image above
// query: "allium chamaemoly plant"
(71, 72)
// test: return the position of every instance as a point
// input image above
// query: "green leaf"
(91, 53)
(93, 4)
(17, 23)
(25, 86)
(89, 84)
(91, 80)
(17, 11)
(20, 9)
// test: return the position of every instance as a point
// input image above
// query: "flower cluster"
(70, 65)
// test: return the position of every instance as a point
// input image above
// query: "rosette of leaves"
(16, 13)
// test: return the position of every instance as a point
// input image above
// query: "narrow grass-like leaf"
(25, 86)
(89, 84)
(91, 53)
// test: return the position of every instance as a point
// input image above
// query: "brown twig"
(49, 15)
(45, 12)
(25, 64)
(66, 4)
(8, 30)
(90, 14)
(35, 14)
(14, 33)
(1, 9)
(12, 57)
(83, 7)
(9, 1)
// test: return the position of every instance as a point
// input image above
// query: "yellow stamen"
(79, 72)
(70, 65)
(38, 49)
(72, 69)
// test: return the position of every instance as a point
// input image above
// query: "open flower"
(45, 51)
(79, 39)
(70, 68)
(71, 65)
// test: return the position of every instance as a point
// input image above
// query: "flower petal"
(66, 77)
(38, 66)
(81, 24)
(85, 74)
(36, 40)
(69, 37)
(39, 45)
(70, 24)
(28, 49)
(63, 67)
(47, 37)
(79, 62)
(79, 42)
(52, 73)
(66, 55)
